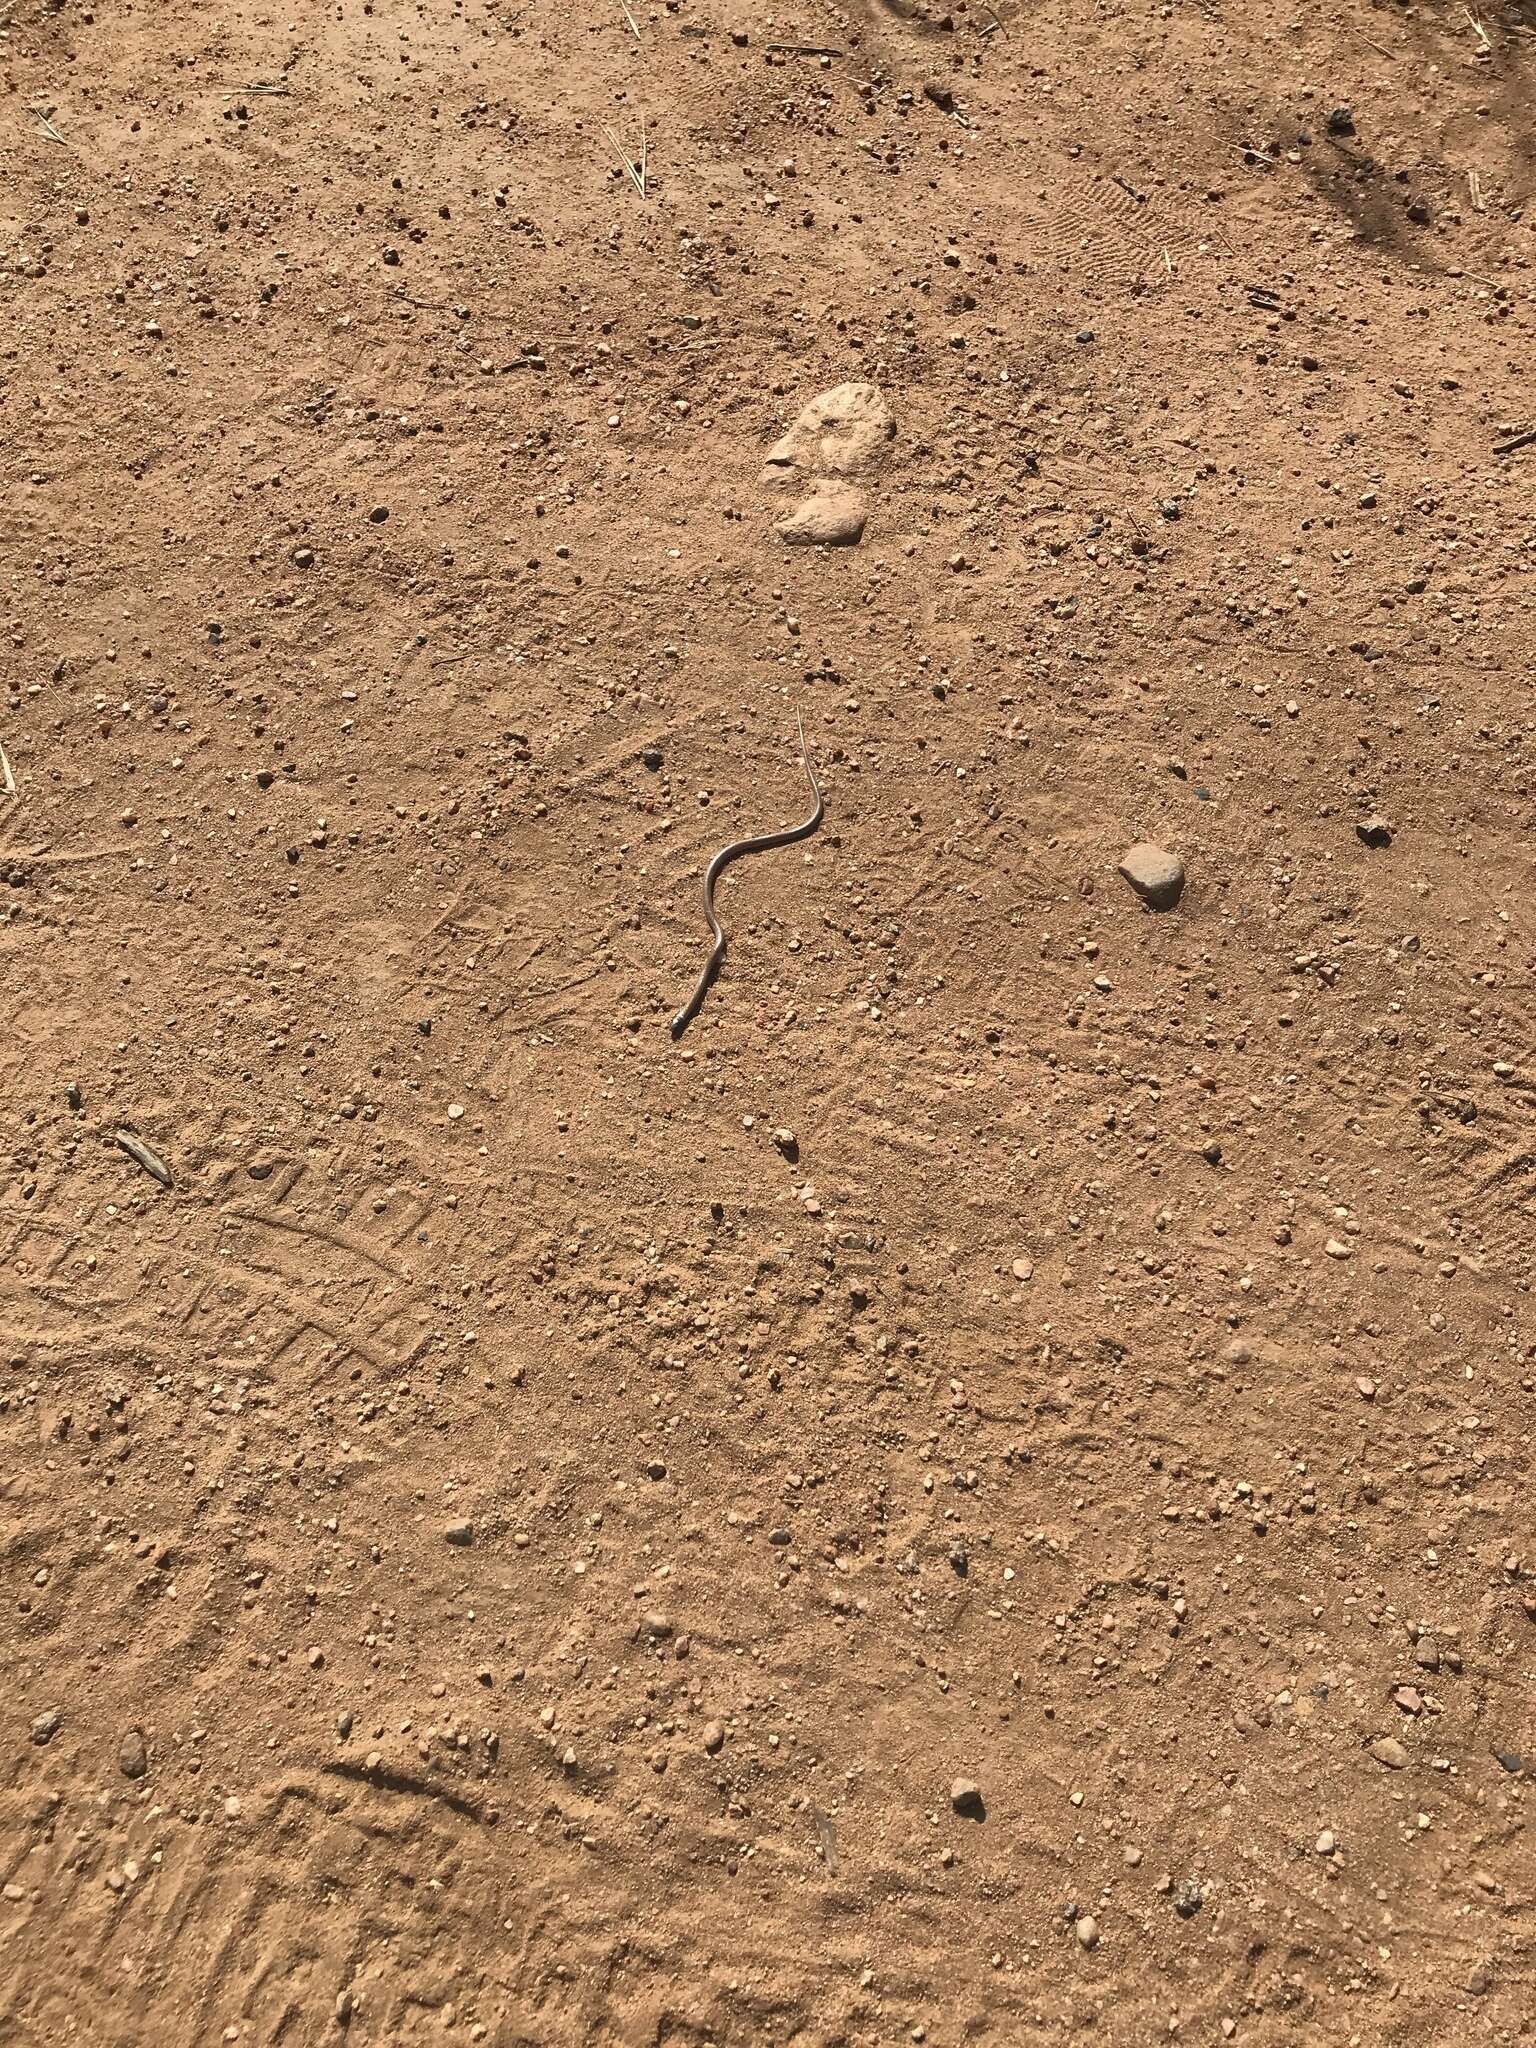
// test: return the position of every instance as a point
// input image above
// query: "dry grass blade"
(9, 780)
(1477, 29)
(634, 27)
(45, 117)
(636, 171)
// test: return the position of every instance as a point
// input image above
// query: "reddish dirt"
(379, 482)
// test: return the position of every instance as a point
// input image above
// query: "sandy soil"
(519, 1540)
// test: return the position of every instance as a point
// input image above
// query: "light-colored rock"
(133, 1754)
(965, 1796)
(841, 432)
(840, 436)
(1156, 875)
(1087, 1930)
(1389, 1751)
(831, 516)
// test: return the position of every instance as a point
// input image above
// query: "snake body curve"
(722, 860)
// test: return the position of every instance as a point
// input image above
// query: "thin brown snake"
(722, 860)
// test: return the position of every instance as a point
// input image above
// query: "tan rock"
(829, 517)
(1156, 875)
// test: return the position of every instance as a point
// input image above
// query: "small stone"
(780, 1538)
(830, 517)
(461, 1533)
(1156, 876)
(379, 514)
(72, 1094)
(46, 1726)
(1023, 1269)
(1374, 831)
(1238, 1353)
(656, 1469)
(1408, 1699)
(714, 1738)
(1366, 1388)
(1426, 1654)
(1326, 1842)
(1087, 1931)
(1506, 1757)
(455, 1111)
(940, 95)
(344, 1725)
(133, 1754)
(1341, 121)
(1131, 1856)
(304, 558)
(651, 757)
(1480, 1979)
(1337, 1249)
(1389, 1751)
(1211, 1154)
(965, 1797)
(1188, 1898)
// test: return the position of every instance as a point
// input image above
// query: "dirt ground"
(529, 1537)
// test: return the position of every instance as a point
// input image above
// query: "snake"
(722, 860)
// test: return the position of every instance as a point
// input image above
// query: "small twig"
(5, 769)
(802, 50)
(1515, 441)
(281, 90)
(47, 125)
(1246, 149)
(642, 156)
(1126, 186)
(150, 1161)
(997, 18)
(1478, 30)
(1475, 188)
(633, 25)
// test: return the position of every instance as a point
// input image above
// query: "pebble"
(651, 757)
(1508, 1759)
(1389, 1751)
(1374, 831)
(965, 1797)
(1336, 1249)
(1087, 1930)
(656, 1469)
(1188, 1898)
(46, 1726)
(1326, 1842)
(779, 1538)
(1023, 1269)
(1367, 1388)
(1156, 875)
(714, 1737)
(1341, 121)
(1426, 1654)
(462, 1533)
(133, 1754)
